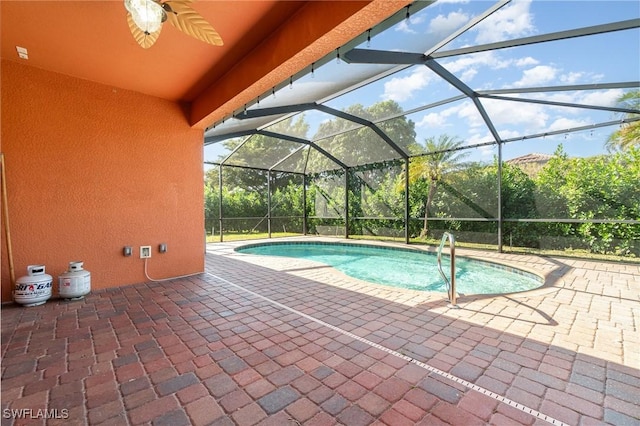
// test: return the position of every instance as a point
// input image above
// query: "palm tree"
(443, 157)
(629, 134)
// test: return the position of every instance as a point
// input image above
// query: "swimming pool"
(404, 268)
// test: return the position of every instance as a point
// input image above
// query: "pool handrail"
(451, 285)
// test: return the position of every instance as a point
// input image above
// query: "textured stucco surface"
(91, 168)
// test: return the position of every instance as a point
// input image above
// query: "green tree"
(287, 203)
(211, 198)
(518, 193)
(261, 152)
(365, 153)
(357, 145)
(599, 187)
(244, 192)
(551, 201)
(629, 133)
(518, 202)
(443, 157)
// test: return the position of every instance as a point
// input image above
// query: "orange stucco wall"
(90, 169)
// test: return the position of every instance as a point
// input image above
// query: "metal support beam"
(286, 157)
(562, 104)
(560, 35)
(500, 213)
(255, 113)
(460, 85)
(561, 88)
(466, 27)
(407, 163)
(371, 56)
(362, 121)
(302, 141)
(220, 202)
(208, 140)
(279, 110)
(235, 149)
(574, 129)
(305, 228)
(269, 203)
(450, 78)
(346, 202)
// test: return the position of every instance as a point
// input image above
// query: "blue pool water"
(404, 268)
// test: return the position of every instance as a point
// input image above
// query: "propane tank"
(74, 283)
(33, 289)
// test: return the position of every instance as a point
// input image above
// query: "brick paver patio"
(277, 341)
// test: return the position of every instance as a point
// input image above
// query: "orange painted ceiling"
(91, 40)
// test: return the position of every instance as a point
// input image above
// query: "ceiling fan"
(145, 19)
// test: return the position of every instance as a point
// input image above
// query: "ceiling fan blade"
(190, 22)
(146, 40)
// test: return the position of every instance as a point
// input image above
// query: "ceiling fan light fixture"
(145, 18)
(147, 14)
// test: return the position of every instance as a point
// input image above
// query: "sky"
(605, 58)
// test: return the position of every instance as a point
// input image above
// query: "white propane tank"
(33, 289)
(74, 283)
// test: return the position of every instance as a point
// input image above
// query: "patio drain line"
(421, 364)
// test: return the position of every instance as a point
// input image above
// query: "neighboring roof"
(534, 157)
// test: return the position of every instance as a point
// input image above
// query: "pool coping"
(550, 280)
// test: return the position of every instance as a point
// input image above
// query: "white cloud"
(513, 20)
(525, 62)
(564, 123)
(514, 119)
(508, 114)
(488, 59)
(445, 25)
(477, 138)
(466, 67)
(511, 119)
(571, 78)
(403, 27)
(602, 97)
(545, 74)
(569, 97)
(576, 77)
(470, 115)
(438, 119)
(400, 89)
(406, 25)
(537, 75)
(509, 134)
(432, 120)
(469, 74)
(596, 77)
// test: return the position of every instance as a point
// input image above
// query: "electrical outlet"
(145, 252)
